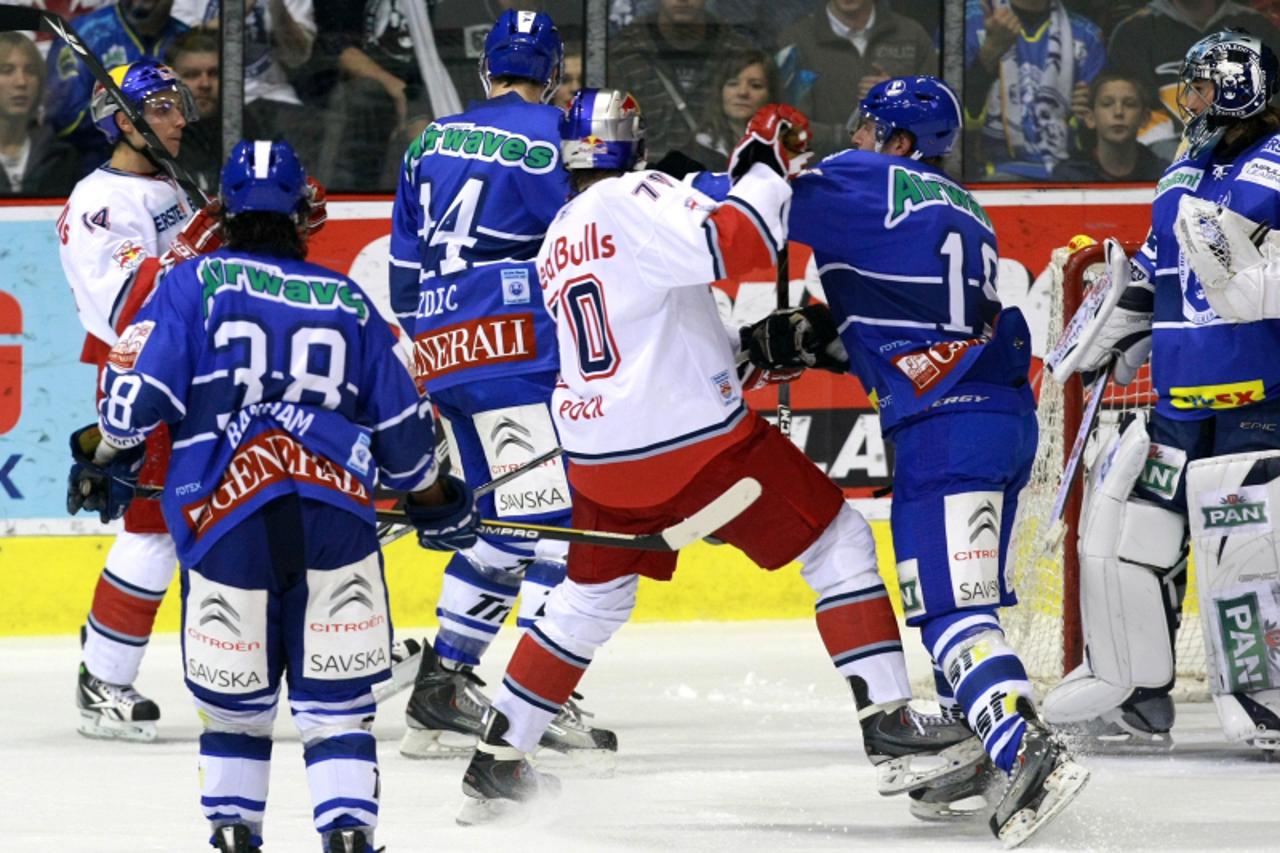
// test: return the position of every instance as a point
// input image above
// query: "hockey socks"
(119, 627)
(342, 772)
(541, 677)
(861, 635)
(986, 676)
(540, 578)
(234, 771)
(474, 602)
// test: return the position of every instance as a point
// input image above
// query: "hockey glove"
(102, 478)
(449, 526)
(796, 338)
(201, 235)
(777, 136)
(317, 207)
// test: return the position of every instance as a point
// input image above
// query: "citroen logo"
(219, 611)
(355, 591)
(507, 432)
(984, 519)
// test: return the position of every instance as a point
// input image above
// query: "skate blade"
(430, 744)
(595, 763)
(971, 808)
(1061, 787)
(480, 811)
(95, 726)
(1268, 741)
(908, 772)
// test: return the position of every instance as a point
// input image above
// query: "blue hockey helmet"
(925, 107)
(138, 81)
(263, 176)
(526, 45)
(1244, 73)
(602, 129)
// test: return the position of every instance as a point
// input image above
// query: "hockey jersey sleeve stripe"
(504, 235)
(195, 439)
(410, 411)
(408, 265)
(164, 389)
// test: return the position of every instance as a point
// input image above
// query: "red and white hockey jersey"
(647, 370)
(114, 221)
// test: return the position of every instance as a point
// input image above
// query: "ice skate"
(500, 784)
(965, 798)
(406, 657)
(355, 840)
(911, 749)
(446, 712)
(114, 710)
(234, 838)
(570, 732)
(1044, 780)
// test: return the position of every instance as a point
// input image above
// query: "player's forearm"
(292, 40)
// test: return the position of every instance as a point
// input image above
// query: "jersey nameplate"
(266, 281)
(910, 191)
(487, 144)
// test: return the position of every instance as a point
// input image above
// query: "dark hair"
(1145, 95)
(198, 40)
(1253, 128)
(265, 232)
(714, 122)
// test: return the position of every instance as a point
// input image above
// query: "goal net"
(1044, 628)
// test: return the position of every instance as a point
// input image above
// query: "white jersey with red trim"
(646, 366)
(112, 222)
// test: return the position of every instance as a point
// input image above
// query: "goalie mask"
(924, 107)
(1244, 74)
(603, 129)
(140, 82)
(525, 45)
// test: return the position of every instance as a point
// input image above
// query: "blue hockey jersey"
(281, 378)
(1200, 363)
(476, 194)
(908, 260)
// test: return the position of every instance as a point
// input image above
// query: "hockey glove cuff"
(102, 479)
(449, 526)
(201, 235)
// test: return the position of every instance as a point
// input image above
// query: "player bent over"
(476, 195)
(287, 401)
(1201, 300)
(650, 410)
(947, 366)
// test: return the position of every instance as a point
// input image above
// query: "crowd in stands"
(1054, 90)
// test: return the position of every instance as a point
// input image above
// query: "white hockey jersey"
(646, 366)
(113, 221)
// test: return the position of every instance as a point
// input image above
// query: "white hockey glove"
(1236, 259)
(1113, 323)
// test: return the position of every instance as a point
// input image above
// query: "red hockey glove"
(318, 212)
(201, 235)
(778, 136)
(754, 378)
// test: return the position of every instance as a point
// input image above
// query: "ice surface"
(734, 736)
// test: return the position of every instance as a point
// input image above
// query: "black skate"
(964, 798)
(569, 732)
(234, 838)
(354, 840)
(500, 783)
(114, 710)
(913, 750)
(1044, 780)
(446, 712)
(406, 658)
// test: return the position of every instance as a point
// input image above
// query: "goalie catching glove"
(777, 136)
(102, 478)
(795, 339)
(1236, 259)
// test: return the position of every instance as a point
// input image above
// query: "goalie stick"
(724, 509)
(21, 18)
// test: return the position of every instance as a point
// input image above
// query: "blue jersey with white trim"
(476, 194)
(1199, 362)
(908, 261)
(281, 377)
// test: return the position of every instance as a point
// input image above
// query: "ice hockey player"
(287, 401)
(476, 195)
(947, 371)
(119, 217)
(1195, 297)
(625, 270)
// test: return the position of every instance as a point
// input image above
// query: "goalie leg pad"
(1232, 501)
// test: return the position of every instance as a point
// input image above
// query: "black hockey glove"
(102, 479)
(796, 338)
(448, 526)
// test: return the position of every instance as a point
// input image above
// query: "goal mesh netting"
(1044, 628)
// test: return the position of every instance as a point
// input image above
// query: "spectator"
(279, 35)
(1119, 107)
(1150, 45)
(740, 85)
(117, 34)
(832, 58)
(32, 162)
(666, 61)
(763, 20)
(570, 78)
(194, 57)
(1029, 64)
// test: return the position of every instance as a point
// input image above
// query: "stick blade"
(714, 515)
(20, 17)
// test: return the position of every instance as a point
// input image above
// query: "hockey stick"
(1096, 391)
(728, 506)
(783, 288)
(30, 18)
